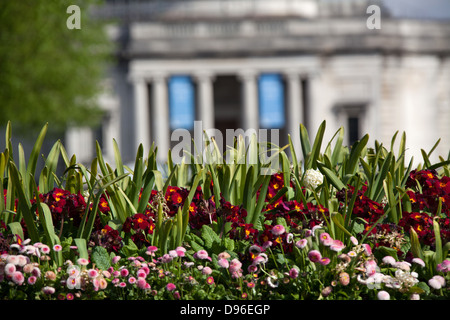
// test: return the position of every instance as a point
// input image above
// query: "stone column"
(80, 142)
(295, 108)
(250, 99)
(205, 99)
(160, 121)
(141, 113)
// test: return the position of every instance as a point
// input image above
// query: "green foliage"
(49, 72)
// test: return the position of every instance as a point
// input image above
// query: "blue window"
(271, 101)
(182, 102)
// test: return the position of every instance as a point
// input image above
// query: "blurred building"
(271, 64)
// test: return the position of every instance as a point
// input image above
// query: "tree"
(50, 73)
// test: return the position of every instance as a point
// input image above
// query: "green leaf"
(355, 154)
(209, 236)
(416, 249)
(24, 203)
(306, 146)
(312, 160)
(16, 229)
(101, 258)
(438, 242)
(82, 248)
(331, 176)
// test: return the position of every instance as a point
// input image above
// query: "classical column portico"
(141, 113)
(205, 99)
(294, 106)
(160, 121)
(250, 99)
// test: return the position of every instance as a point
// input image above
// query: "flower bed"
(348, 223)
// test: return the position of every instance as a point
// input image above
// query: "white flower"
(414, 296)
(419, 261)
(272, 281)
(383, 295)
(313, 178)
(389, 260)
(437, 282)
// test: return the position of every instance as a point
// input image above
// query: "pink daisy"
(278, 230)
(314, 256)
(170, 286)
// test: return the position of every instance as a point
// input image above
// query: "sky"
(425, 9)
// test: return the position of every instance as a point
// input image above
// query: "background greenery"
(50, 73)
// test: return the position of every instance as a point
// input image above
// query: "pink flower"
(444, 266)
(10, 269)
(267, 244)
(301, 244)
(83, 261)
(31, 280)
(223, 263)
(293, 273)
(48, 290)
(354, 240)
(278, 230)
(201, 254)
(252, 268)
(45, 249)
(124, 272)
(36, 272)
(116, 259)
(419, 261)
(344, 278)
(73, 282)
(324, 261)
(389, 260)
(337, 245)
(141, 273)
(92, 273)
(371, 267)
(308, 233)
(131, 280)
(235, 265)
(151, 250)
(102, 283)
(367, 249)
(166, 258)
(170, 286)
(207, 270)
(180, 251)
(325, 239)
(314, 256)
(12, 259)
(262, 258)
(57, 247)
(18, 278)
(141, 283)
(22, 260)
(69, 296)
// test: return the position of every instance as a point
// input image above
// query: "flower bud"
(326, 291)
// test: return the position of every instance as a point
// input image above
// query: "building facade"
(271, 64)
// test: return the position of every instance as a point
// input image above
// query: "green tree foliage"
(48, 72)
